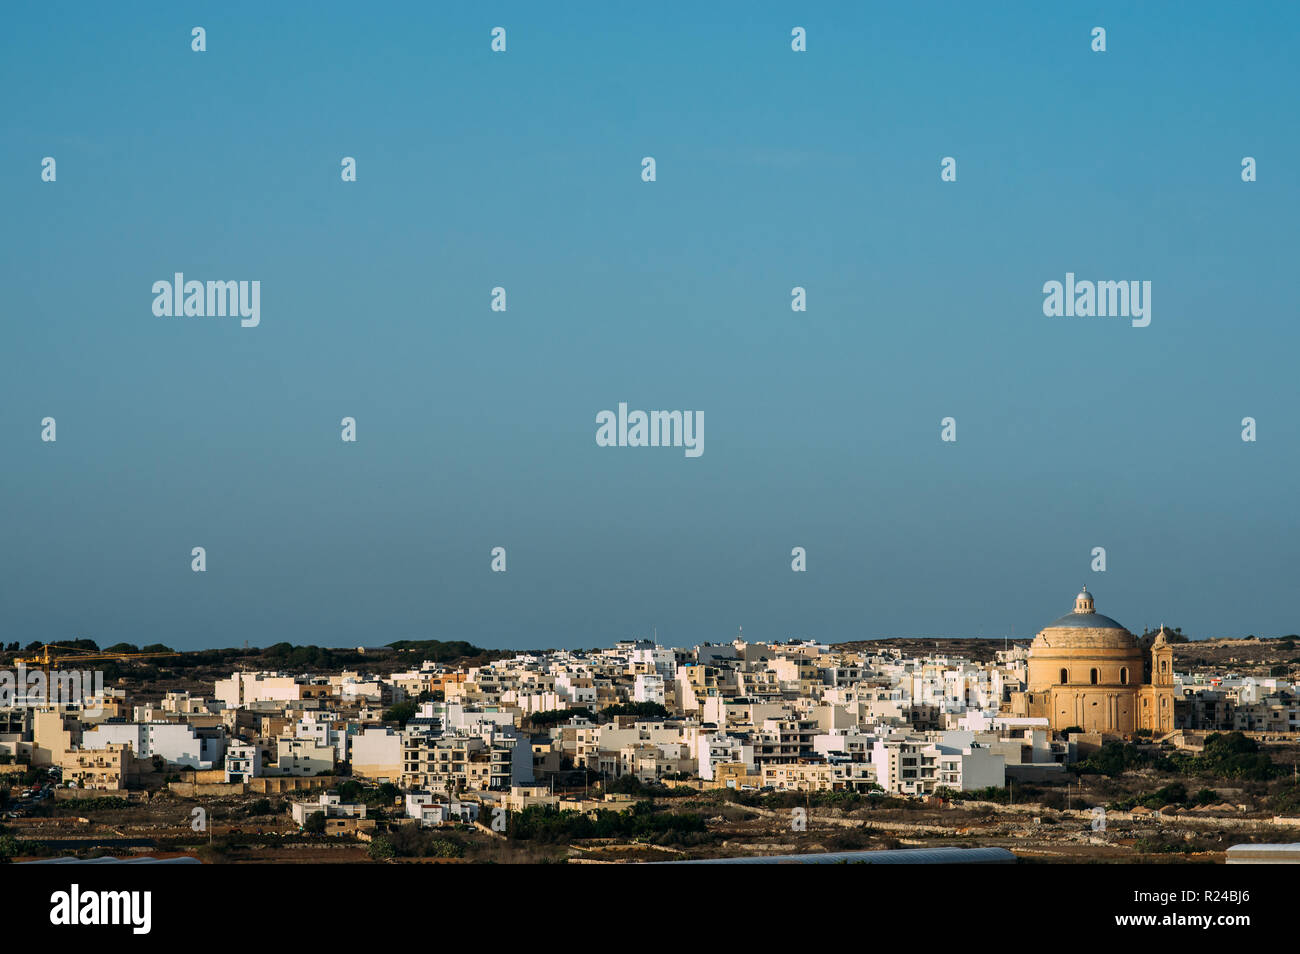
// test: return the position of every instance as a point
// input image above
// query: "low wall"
(211, 789)
(73, 794)
(277, 784)
(270, 785)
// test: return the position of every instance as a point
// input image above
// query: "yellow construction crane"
(46, 661)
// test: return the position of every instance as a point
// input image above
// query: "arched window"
(1092, 675)
(1164, 665)
(1123, 676)
(1065, 676)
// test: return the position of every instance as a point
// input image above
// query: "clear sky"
(476, 428)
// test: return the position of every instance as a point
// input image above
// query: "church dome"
(1085, 629)
(1085, 621)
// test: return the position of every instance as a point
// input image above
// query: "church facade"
(1086, 671)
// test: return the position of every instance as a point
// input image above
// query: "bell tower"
(1162, 660)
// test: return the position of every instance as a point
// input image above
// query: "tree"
(315, 824)
(401, 713)
(437, 650)
(9, 847)
(349, 791)
(381, 849)
(1112, 759)
(642, 710)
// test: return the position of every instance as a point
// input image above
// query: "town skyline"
(1088, 744)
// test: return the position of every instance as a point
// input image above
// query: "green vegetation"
(1286, 801)
(1231, 755)
(289, 656)
(643, 821)
(1227, 756)
(631, 785)
(9, 848)
(1172, 794)
(436, 650)
(412, 842)
(401, 713)
(350, 791)
(777, 801)
(642, 710)
(1173, 634)
(1162, 844)
(1113, 759)
(87, 644)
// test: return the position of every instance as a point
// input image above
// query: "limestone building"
(1088, 671)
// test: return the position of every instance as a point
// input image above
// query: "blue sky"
(476, 429)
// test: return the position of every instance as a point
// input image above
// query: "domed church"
(1088, 671)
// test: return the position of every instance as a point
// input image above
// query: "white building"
(244, 688)
(377, 754)
(909, 766)
(432, 810)
(649, 687)
(243, 761)
(330, 805)
(175, 742)
(301, 757)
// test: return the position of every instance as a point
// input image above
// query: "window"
(1065, 676)
(1123, 676)
(1092, 676)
